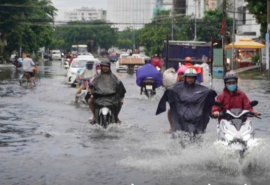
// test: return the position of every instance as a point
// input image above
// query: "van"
(56, 54)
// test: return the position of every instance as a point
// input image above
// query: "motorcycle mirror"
(254, 103)
(219, 104)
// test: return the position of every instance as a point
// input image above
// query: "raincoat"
(190, 105)
(108, 91)
(231, 101)
(148, 71)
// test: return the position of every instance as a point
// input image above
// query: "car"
(45, 55)
(113, 57)
(77, 64)
(56, 54)
(121, 67)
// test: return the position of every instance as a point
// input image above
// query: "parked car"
(121, 67)
(56, 54)
(45, 55)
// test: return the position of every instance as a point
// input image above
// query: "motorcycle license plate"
(149, 87)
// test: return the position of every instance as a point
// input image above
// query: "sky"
(67, 5)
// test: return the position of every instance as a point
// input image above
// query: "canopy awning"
(246, 43)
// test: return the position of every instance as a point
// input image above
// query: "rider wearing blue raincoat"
(148, 70)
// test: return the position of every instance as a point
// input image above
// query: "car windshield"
(78, 63)
(56, 52)
(82, 50)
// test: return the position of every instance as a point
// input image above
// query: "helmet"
(105, 63)
(190, 72)
(181, 69)
(89, 63)
(188, 59)
(230, 77)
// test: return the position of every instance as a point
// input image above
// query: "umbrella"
(245, 43)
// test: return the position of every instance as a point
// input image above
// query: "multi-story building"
(85, 14)
(130, 13)
(246, 24)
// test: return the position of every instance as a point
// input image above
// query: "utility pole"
(233, 35)
(267, 39)
(195, 26)
(224, 36)
(172, 19)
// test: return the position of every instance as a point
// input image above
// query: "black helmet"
(230, 77)
(105, 63)
(89, 63)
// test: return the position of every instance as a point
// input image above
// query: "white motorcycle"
(235, 129)
(66, 64)
(104, 116)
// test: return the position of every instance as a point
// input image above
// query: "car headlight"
(229, 137)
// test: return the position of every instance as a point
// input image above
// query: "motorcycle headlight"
(229, 137)
(246, 137)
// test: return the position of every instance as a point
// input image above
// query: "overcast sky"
(67, 5)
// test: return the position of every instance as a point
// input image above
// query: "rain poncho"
(148, 71)
(108, 91)
(190, 105)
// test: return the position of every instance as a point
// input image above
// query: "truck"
(79, 49)
(175, 52)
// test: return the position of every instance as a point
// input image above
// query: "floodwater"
(45, 138)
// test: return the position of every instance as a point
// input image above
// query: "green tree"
(258, 8)
(26, 24)
(81, 32)
(210, 25)
(152, 36)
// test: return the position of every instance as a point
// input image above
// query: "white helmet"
(190, 72)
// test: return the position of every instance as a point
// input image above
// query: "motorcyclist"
(86, 74)
(188, 64)
(147, 71)
(156, 61)
(107, 90)
(231, 97)
(190, 104)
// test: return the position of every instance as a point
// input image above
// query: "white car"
(77, 64)
(56, 54)
(121, 67)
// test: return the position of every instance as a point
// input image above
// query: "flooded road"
(45, 138)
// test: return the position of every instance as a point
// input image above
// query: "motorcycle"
(104, 116)
(235, 129)
(148, 87)
(82, 97)
(66, 64)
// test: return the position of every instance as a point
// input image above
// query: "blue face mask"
(231, 87)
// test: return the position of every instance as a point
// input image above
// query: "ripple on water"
(203, 159)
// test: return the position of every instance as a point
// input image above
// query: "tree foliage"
(258, 8)
(26, 24)
(210, 25)
(81, 32)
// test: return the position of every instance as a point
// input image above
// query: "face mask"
(231, 88)
(98, 71)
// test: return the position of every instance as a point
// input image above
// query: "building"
(85, 14)
(246, 24)
(130, 13)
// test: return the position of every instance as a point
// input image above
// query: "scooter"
(235, 129)
(148, 87)
(82, 96)
(66, 64)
